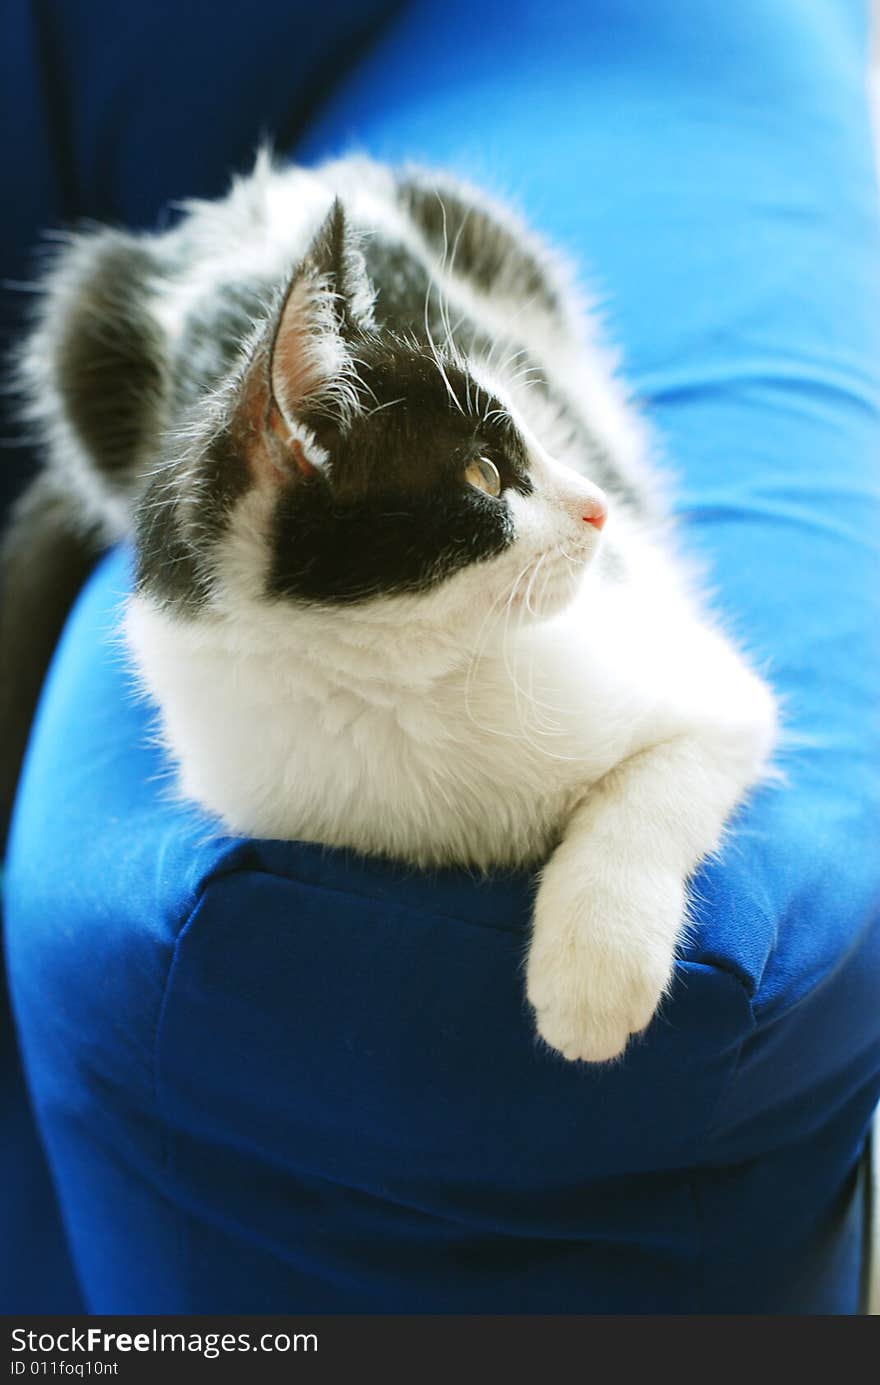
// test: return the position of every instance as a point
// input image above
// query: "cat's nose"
(586, 504)
(594, 512)
(583, 500)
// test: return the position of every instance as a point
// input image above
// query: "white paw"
(601, 958)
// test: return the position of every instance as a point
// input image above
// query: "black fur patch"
(395, 512)
(109, 359)
(325, 550)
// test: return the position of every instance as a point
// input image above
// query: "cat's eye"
(483, 476)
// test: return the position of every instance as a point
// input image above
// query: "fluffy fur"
(346, 641)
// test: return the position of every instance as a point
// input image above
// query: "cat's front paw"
(600, 961)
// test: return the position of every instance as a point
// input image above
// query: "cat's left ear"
(329, 303)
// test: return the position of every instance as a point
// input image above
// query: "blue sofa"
(272, 1077)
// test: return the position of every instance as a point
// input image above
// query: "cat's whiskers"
(528, 597)
(500, 414)
(447, 266)
(389, 404)
(438, 360)
(515, 352)
(361, 382)
(526, 376)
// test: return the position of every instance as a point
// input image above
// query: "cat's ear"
(302, 383)
(328, 303)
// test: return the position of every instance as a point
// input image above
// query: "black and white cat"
(405, 581)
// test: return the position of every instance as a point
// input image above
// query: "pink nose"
(594, 513)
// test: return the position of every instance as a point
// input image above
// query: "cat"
(406, 580)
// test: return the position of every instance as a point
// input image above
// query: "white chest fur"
(304, 737)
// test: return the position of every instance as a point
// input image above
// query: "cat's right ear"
(302, 387)
(328, 303)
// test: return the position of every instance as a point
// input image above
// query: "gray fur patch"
(475, 245)
(215, 332)
(109, 358)
(176, 538)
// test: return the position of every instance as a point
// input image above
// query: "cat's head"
(348, 465)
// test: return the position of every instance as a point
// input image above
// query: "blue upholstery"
(273, 1077)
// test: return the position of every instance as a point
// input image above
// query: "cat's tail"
(45, 555)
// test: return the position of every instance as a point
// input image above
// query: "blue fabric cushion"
(296, 1080)
(36, 1274)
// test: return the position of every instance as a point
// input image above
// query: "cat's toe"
(578, 1042)
(592, 986)
(588, 1010)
